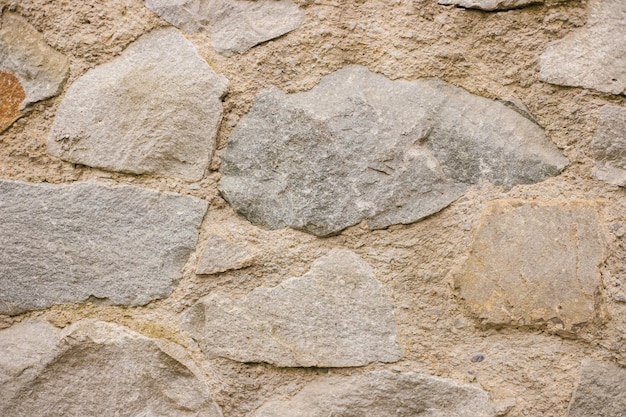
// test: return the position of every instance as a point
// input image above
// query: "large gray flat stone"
(155, 109)
(535, 264)
(601, 390)
(383, 394)
(593, 56)
(360, 146)
(65, 243)
(235, 26)
(490, 5)
(97, 369)
(609, 146)
(336, 315)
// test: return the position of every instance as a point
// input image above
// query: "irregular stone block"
(360, 146)
(609, 146)
(235, 26)
(534, 263)
(383, 393)
(593, 56)
(30, 70)
(220, 255)
(94, 368)
(601, 390)
(335, 315)
(490, 5)
(65, 243)
(155, 109)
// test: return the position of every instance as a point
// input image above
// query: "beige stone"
(221, 255)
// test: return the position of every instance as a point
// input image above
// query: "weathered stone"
(336, 315)
(601, 390)
(360, 146)
(41, 70)
(593, 56)
(95, 368)
(235, 26)
(491, 5)
(11, 97)
(609, 146)
(220, 255)
(382, 394)
(534, 263)
(148, 111)
(65, 243)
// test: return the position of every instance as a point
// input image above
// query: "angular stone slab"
(336, 315)
(65, 243)
(235, 26)
(490, 5)
(221, 255)
(601, 390)
(360, 146)
(153, 110)
(383, 393)
(593, 56)
(534, 263)
(30, 70)
(97, 369)
(609, 146)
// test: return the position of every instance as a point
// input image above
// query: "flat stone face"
(593, 56)
(94, 368)
(235, 26)
(221, 255)
(383, 393)
(609, 146)
(360, 146)
(336, 315)
(490, 5)
(601, 390)
(65, 243)
(41, 70)
(155, 109)
(534, 263)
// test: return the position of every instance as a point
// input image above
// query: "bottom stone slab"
(601, 391)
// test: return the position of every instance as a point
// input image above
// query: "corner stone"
(609, 146)
(601, 390)
(382, 394)
(534, 264)
(336, 315)
(65, 243)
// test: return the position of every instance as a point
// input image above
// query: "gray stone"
(220, 255)
(609, 146)
(65, 243)
(94, 368)
(593, 56)
(235, 26)
(24, 53)
(490, 5)
(535, 264)
(336, 315)
(360, 146)
(601, 390)
(155, 109)
(383, 394)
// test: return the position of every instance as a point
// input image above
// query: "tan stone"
(534, 263)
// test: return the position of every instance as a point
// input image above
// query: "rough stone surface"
(11, 96)
(383, 393)
(601, 390)
(491, 5)
(95, 368)
(148, 111)
(609, 146)
(593, 56)
(336, 315)
(235, 26)
(66, 243)
(534, 263)
(221, 255)
(360, 146)
(41, 70)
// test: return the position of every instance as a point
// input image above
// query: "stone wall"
(313, 208)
